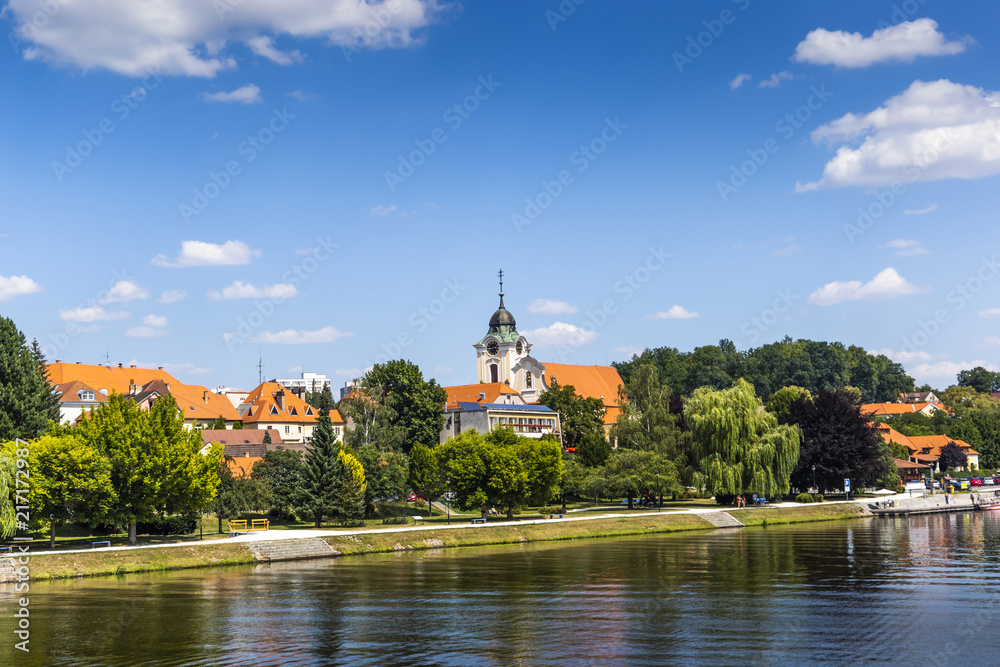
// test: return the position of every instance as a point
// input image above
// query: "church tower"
(504, 355)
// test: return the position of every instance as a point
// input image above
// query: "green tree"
(646, 421)
(349, 487)
(631, 473)
(385, 475)
(416, 403)
(27, 401)
(283, 471)
(980, 379)
(220, 423)
(321, 474)
(578, 416)
(238, 426)
(237, 494)
(375, 421)
(593, 450)
(426, 477)
(740, 446)
(781, 399)
(267, 436)
(190, 469)
(7, 502)
(70, 481)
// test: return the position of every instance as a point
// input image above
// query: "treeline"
(813, 365)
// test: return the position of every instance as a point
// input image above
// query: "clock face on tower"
(520, 347)
(493, 347)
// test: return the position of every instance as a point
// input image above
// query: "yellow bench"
(238, 526)
(259, 524)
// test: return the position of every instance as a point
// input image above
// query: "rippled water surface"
(924, 590)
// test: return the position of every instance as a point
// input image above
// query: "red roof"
(469, 393)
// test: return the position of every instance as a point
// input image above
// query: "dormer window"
(293, 412)
(274, 410)
(309, 411)
(85, 395)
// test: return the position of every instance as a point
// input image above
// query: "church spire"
(501, 288)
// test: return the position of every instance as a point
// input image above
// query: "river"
(920, 590)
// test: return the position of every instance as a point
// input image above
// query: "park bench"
(761, 500)
(555, 516)
(107, 543)
(480, 520)
(6, 549)
(259, 524)
(236, 527)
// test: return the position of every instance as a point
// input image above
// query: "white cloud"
(561, 333)
(920, 211)
(302, 96)
(190, 37)
(947, 369)
(931, 131)
(248, 94)
(551, 307)
(90, 314)
(294, 337)
(900, 43)
(199, 253)
(350, 373)
(906, 248)
(123, 291)
(144, 332)
(383, 210)
(888, 284)
(154, 321)
(263, 45)
(173, 296)
(990, 313)
(242, 290)
(787, 250)
(739, 81)
(16, 286)
(775, 80)
(626, 351)
(903, 356)
(675, 313)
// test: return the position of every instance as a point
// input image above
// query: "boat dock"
(930, 504)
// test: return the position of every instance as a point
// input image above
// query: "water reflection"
(876, 590)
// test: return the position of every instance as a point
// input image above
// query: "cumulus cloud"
(626, 351)
(931, 131)
(920, 211)
(248, 94)
(675, 313)
(775, 80)
(899, 43)
(295, 337)
(902, 356)
(990, 313)
(195, 38)
(123, 291)
(947, 369)
(906, 248)
(561, 333)
(739, 81)
(888, 284)
(173, 296)
(383, 210)
(551, 307)
(90, 314)
(302, 96)
(145, 332)
(242, 290)
(16, 286)
(263, 45)
(199, 253)
(155, 321)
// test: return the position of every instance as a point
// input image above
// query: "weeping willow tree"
(741, 447)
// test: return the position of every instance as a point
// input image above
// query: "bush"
(168, 525)
(420, 502)
(551, 509)
(395, 520)
(804, 498)
(819, 497)
(353, 523)
(725, 499)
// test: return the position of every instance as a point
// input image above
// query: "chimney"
(279, 397)
(204, 396)
(119, 365)
(131, 365)
(482, 396)
(78, 363)
(58, 361)
(159, 368)
(167, 385)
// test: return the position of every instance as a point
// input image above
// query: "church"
(511, 380)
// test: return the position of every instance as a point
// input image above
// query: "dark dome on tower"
(502, 317)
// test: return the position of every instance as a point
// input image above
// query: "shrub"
(353, 523)
(819, 497)
(419, 502)
(725, 499)
(168, 525)
(395, 520)
(551, 509)
(804, 498)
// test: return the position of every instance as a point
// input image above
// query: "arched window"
(527, 379)
(494, 373)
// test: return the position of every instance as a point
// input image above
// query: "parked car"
(989, 481)
(976, 481)
(412, 498)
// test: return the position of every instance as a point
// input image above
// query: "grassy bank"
(60, 566)
(772, 516)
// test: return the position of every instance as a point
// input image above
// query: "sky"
(327, 184)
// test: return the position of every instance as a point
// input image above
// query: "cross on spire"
(501, 282)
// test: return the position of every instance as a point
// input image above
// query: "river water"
(923, 590)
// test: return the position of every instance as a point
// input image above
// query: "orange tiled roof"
(909, 465)
(935, 443)
(68, 392)
(193, 401)
(336, 418)
(242, 466)
(590, 382)
(264, 406)
(237, 442)
(889, 434)
(887, 409)
(469, 393)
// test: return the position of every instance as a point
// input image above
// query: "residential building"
(242, 447)
(929, 450)
(908, 470)
(271, 406)
(532, 421)
(75, 398)
(892, 409)
(308, 382)
(919, 397)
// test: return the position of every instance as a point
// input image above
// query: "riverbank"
(341, 543)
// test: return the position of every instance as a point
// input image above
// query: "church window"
(494, 373)
(527, 379)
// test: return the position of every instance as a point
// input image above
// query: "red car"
(412, 498)
(975, 481)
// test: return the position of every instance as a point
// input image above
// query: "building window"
(527, 379)
(494, 373)
(300, 429)
(336, 431)
(287, 428)
(86, 395)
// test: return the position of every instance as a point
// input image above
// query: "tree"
(321, 474)
(283, 471)
(426, 477)
(781, 399)
(237, 494)
(375, 422)
(593, 450)
(952, 457)
(417, 404)
(190, 475)
(840, 442)
(578, 416)
(238, 426)
(8, 521)
(980, 379)
(220, 423)
(27, 401)
(385, 475)
(631, 473)
(740, 446)
(70, 481)
(349, 488)
(267, 436)
(646, 421)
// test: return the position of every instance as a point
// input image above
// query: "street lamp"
(658, 494)
(446, 499)
(814, 478)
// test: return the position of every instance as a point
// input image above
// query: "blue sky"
(328, 184)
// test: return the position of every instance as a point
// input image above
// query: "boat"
(989, 505)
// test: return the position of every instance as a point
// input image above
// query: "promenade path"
(588, 514)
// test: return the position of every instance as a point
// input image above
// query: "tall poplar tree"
(740, 446)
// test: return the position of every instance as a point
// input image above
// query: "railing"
(240, 525)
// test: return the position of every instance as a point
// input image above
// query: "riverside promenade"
(905, 505)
